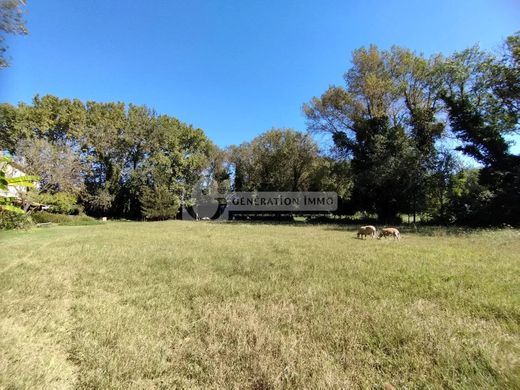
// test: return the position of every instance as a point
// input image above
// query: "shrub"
(11, 220)
(60, 202)
(46, 217)
(79, 220)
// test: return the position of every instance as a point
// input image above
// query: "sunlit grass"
(224, 305)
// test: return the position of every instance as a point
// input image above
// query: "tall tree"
(384, 121)
(117, 157)
(8, 127)
(417, 81)
(11, 22)
(481, 96)
(506, 84)
(59, 168)
(277, 160)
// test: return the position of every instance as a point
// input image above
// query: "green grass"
(223, 305)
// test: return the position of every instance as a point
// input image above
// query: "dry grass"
(215, 305)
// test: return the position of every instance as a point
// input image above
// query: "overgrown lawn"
(223, 305)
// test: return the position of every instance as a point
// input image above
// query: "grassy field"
(220, 305)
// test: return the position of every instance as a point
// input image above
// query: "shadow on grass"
(420, 230)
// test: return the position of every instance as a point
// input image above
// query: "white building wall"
(13, 191)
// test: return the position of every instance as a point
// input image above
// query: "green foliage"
(469, 200)
(384, 121)
(476, 115)
(159, 203)
(8, 203)
(6, 181)
(57, 165)
(12, 218)
(482, 96)
(105, 152)
(63, 219)
(9, 134)
(332, 175)
(60, 202)
(442, 185)
(277, 160)
(46, 217)
(386, 125)
(11, 22)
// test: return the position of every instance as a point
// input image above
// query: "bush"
(10, 220)
(46, 217)
(60, 202)
(79, 220)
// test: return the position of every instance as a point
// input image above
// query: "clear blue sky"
(233, 68)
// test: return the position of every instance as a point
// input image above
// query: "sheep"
(390, 232)
(366, 231)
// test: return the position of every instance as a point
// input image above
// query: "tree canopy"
(11, 22)
(117, 158)
(397, 126)
(395, 108)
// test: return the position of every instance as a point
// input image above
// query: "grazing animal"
(390, 232)
(366, 231)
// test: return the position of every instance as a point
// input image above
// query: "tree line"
(107, 158)
(397, 128)
(393, 114)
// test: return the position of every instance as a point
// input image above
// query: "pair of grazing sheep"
(372, 232)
